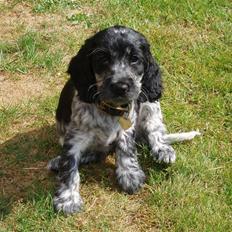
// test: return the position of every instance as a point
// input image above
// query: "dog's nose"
(120, 87)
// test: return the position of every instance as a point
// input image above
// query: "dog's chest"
(93, 123)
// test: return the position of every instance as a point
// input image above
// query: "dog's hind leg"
(86, 158)
(152, 128)
(92, 157)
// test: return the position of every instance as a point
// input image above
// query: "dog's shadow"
(23, 168)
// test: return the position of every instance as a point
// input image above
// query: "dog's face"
(115, 66)
(118, 66)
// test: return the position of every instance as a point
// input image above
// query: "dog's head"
(116, 66)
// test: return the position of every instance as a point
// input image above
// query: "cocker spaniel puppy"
(110, 102)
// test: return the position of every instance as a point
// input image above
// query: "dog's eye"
(134, 59)
(104, 60)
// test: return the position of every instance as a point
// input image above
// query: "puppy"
(110, 102)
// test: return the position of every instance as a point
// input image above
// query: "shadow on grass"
(23, 173)
(24, 176)
(23, 165)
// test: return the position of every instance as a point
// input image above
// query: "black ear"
(151, 82)
(81, 73)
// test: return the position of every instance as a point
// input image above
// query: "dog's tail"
(179, 137)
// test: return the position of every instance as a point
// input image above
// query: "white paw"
(68, 202)
(165, 154)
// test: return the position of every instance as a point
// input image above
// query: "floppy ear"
(151, 82)
(81, 73)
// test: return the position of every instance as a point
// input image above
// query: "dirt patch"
(22, 18)
(26, 87)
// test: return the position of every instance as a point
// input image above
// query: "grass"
(29, 51)
(192, 42)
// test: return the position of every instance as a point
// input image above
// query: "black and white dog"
(110, 103)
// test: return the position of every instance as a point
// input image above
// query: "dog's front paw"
(68, 202)
(130, 180)
(165, 154)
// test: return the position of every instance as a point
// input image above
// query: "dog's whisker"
(97, 50)
(97, 94)
(91, 86)
(145, 89)
(95, 84)
(144, 94)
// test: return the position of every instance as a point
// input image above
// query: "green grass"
(79, 18)
(192, 42)
(29, 51)
(43, 6)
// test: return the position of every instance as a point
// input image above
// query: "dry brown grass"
(20, 88)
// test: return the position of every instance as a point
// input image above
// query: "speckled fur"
(92, 134)
(87, 134)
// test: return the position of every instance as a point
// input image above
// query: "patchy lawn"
(192, 42)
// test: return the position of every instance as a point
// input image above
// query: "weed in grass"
(29, 44)
(79, 18)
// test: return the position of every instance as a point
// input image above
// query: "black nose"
(120, 87)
